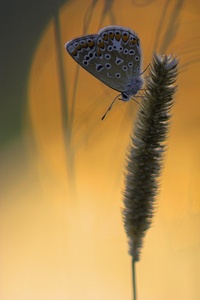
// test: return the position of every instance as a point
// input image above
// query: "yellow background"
(62, 234)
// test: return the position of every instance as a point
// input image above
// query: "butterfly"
(113, 56)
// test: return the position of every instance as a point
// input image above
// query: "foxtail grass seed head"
(145, 154)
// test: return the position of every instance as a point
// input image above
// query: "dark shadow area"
(22, 23)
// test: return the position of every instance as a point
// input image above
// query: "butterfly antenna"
(109, 108)
(145, 69)
(135, 99)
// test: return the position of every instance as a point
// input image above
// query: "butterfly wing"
(113, 55)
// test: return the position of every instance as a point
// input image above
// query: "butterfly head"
(133, 86)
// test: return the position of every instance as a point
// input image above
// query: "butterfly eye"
(125, 96)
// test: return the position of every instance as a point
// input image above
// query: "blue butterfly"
(113, 55)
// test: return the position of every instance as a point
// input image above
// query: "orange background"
(62, 234)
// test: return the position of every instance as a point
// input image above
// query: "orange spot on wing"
(118, 36)
(84, 45)
(99, 53)
(101, 45)
(111, 35)
(134, 41)
(79, 47)
(105, 37)
(125, 38)
(74, 53)
(91, 44)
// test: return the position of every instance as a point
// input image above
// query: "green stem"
(134, 279)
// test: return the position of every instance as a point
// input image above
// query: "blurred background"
(61, 228)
